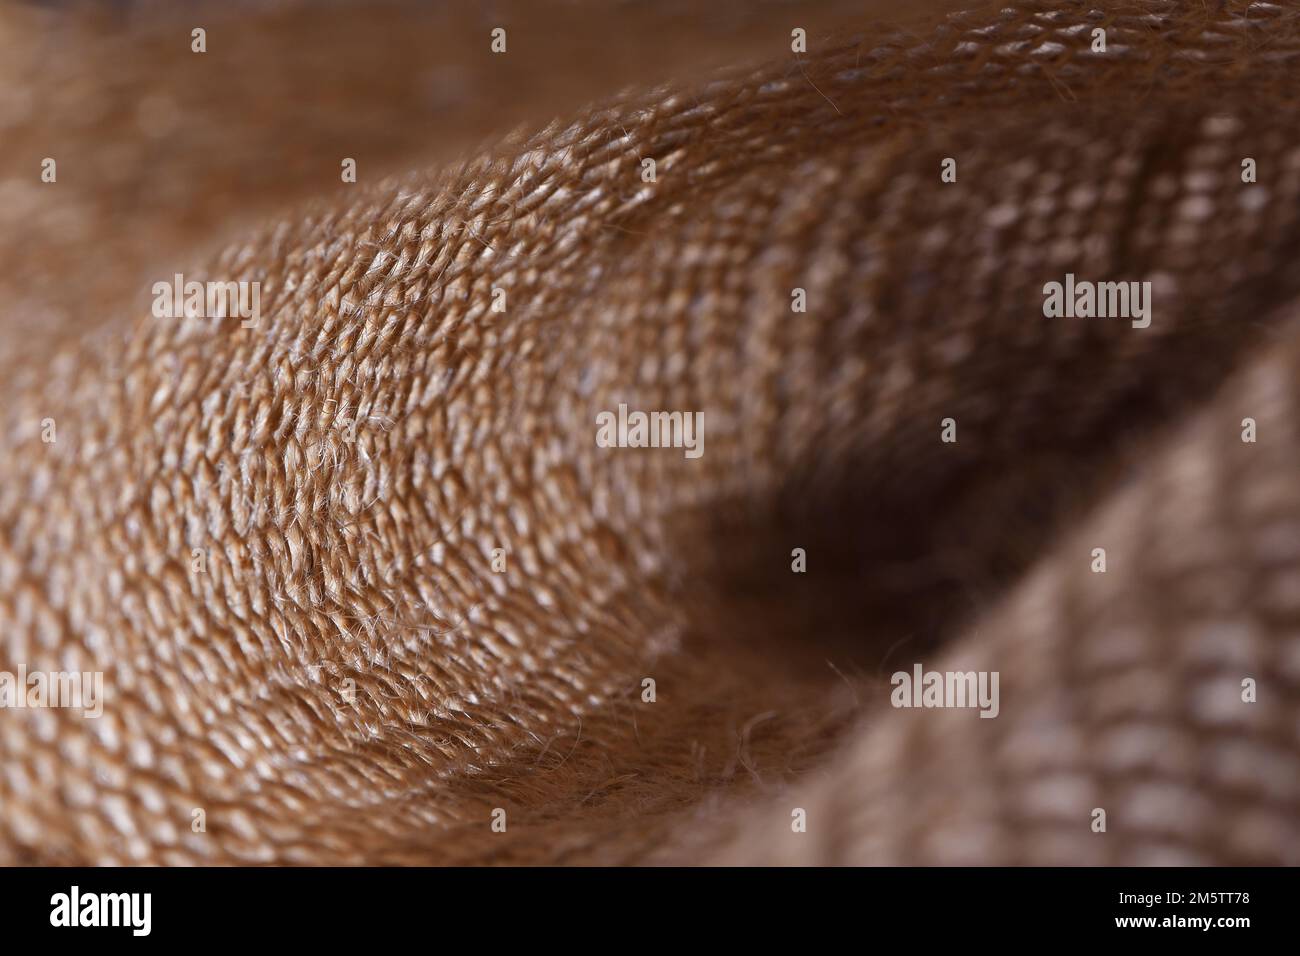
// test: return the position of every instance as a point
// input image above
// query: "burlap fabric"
(348, 678)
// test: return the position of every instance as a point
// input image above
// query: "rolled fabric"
(323, 335)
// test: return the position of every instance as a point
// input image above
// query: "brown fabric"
(370, 561)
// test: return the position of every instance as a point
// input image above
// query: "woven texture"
(349, 467)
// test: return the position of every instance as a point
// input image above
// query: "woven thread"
(371, 561)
